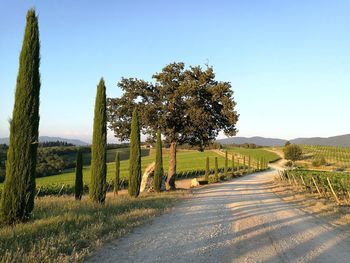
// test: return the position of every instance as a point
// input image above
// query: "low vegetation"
(65, 230)
(334, 185)
(293, 152)
(334, 157)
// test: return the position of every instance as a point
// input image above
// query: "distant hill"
(51, 139)
(256, 140)
(341, 140)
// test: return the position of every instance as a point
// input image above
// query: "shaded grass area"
(65, 230)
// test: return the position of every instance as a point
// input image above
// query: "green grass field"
(255, 154)
(187, 160)
(124, 155)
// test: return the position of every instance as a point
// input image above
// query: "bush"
(318, 161)
(212, 179)
(289, 164)
(339, 169)
(293, 152)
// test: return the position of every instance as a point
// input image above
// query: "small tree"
(287, 143)
(98, 183)
(226, 164)
(244, 167)
(135, 157)
(19, 188)
(206, 177)
(216, 171)
(293, 152)
(117, 173)
(79, 186)
(158, 171)
(233, 164)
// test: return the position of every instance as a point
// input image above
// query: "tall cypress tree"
(117, 173)
(206, 177)
(19, 188)
(158, 171)
(244, 167)
(79, 186)
(135, 157)
(98, 183)
(233, 164)
(216, 171)
(226, 164)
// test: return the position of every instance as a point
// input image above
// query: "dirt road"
(243, 220)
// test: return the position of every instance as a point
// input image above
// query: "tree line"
(183, 105)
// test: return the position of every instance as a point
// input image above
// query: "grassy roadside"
(64, 230)
(313, 204)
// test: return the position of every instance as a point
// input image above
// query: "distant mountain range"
(51, 139)
(341, 140)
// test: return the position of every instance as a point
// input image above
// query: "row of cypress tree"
(17, 200)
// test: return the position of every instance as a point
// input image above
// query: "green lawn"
(256, 154)
(124, 155)
(186, 161)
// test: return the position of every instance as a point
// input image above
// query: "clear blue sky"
(288, 61)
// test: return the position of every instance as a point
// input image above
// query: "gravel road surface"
(242, 220)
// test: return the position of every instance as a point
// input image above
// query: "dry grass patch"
(338, 215)
(65, 230)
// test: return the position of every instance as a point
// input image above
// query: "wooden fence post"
(318, 190)
(59, 193)
(295, 181)
(334, 194)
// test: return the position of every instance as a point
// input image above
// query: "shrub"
(318, 161)
(293, 152)
(289, 164)
(213, 179)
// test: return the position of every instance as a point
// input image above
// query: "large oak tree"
(187, 104)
